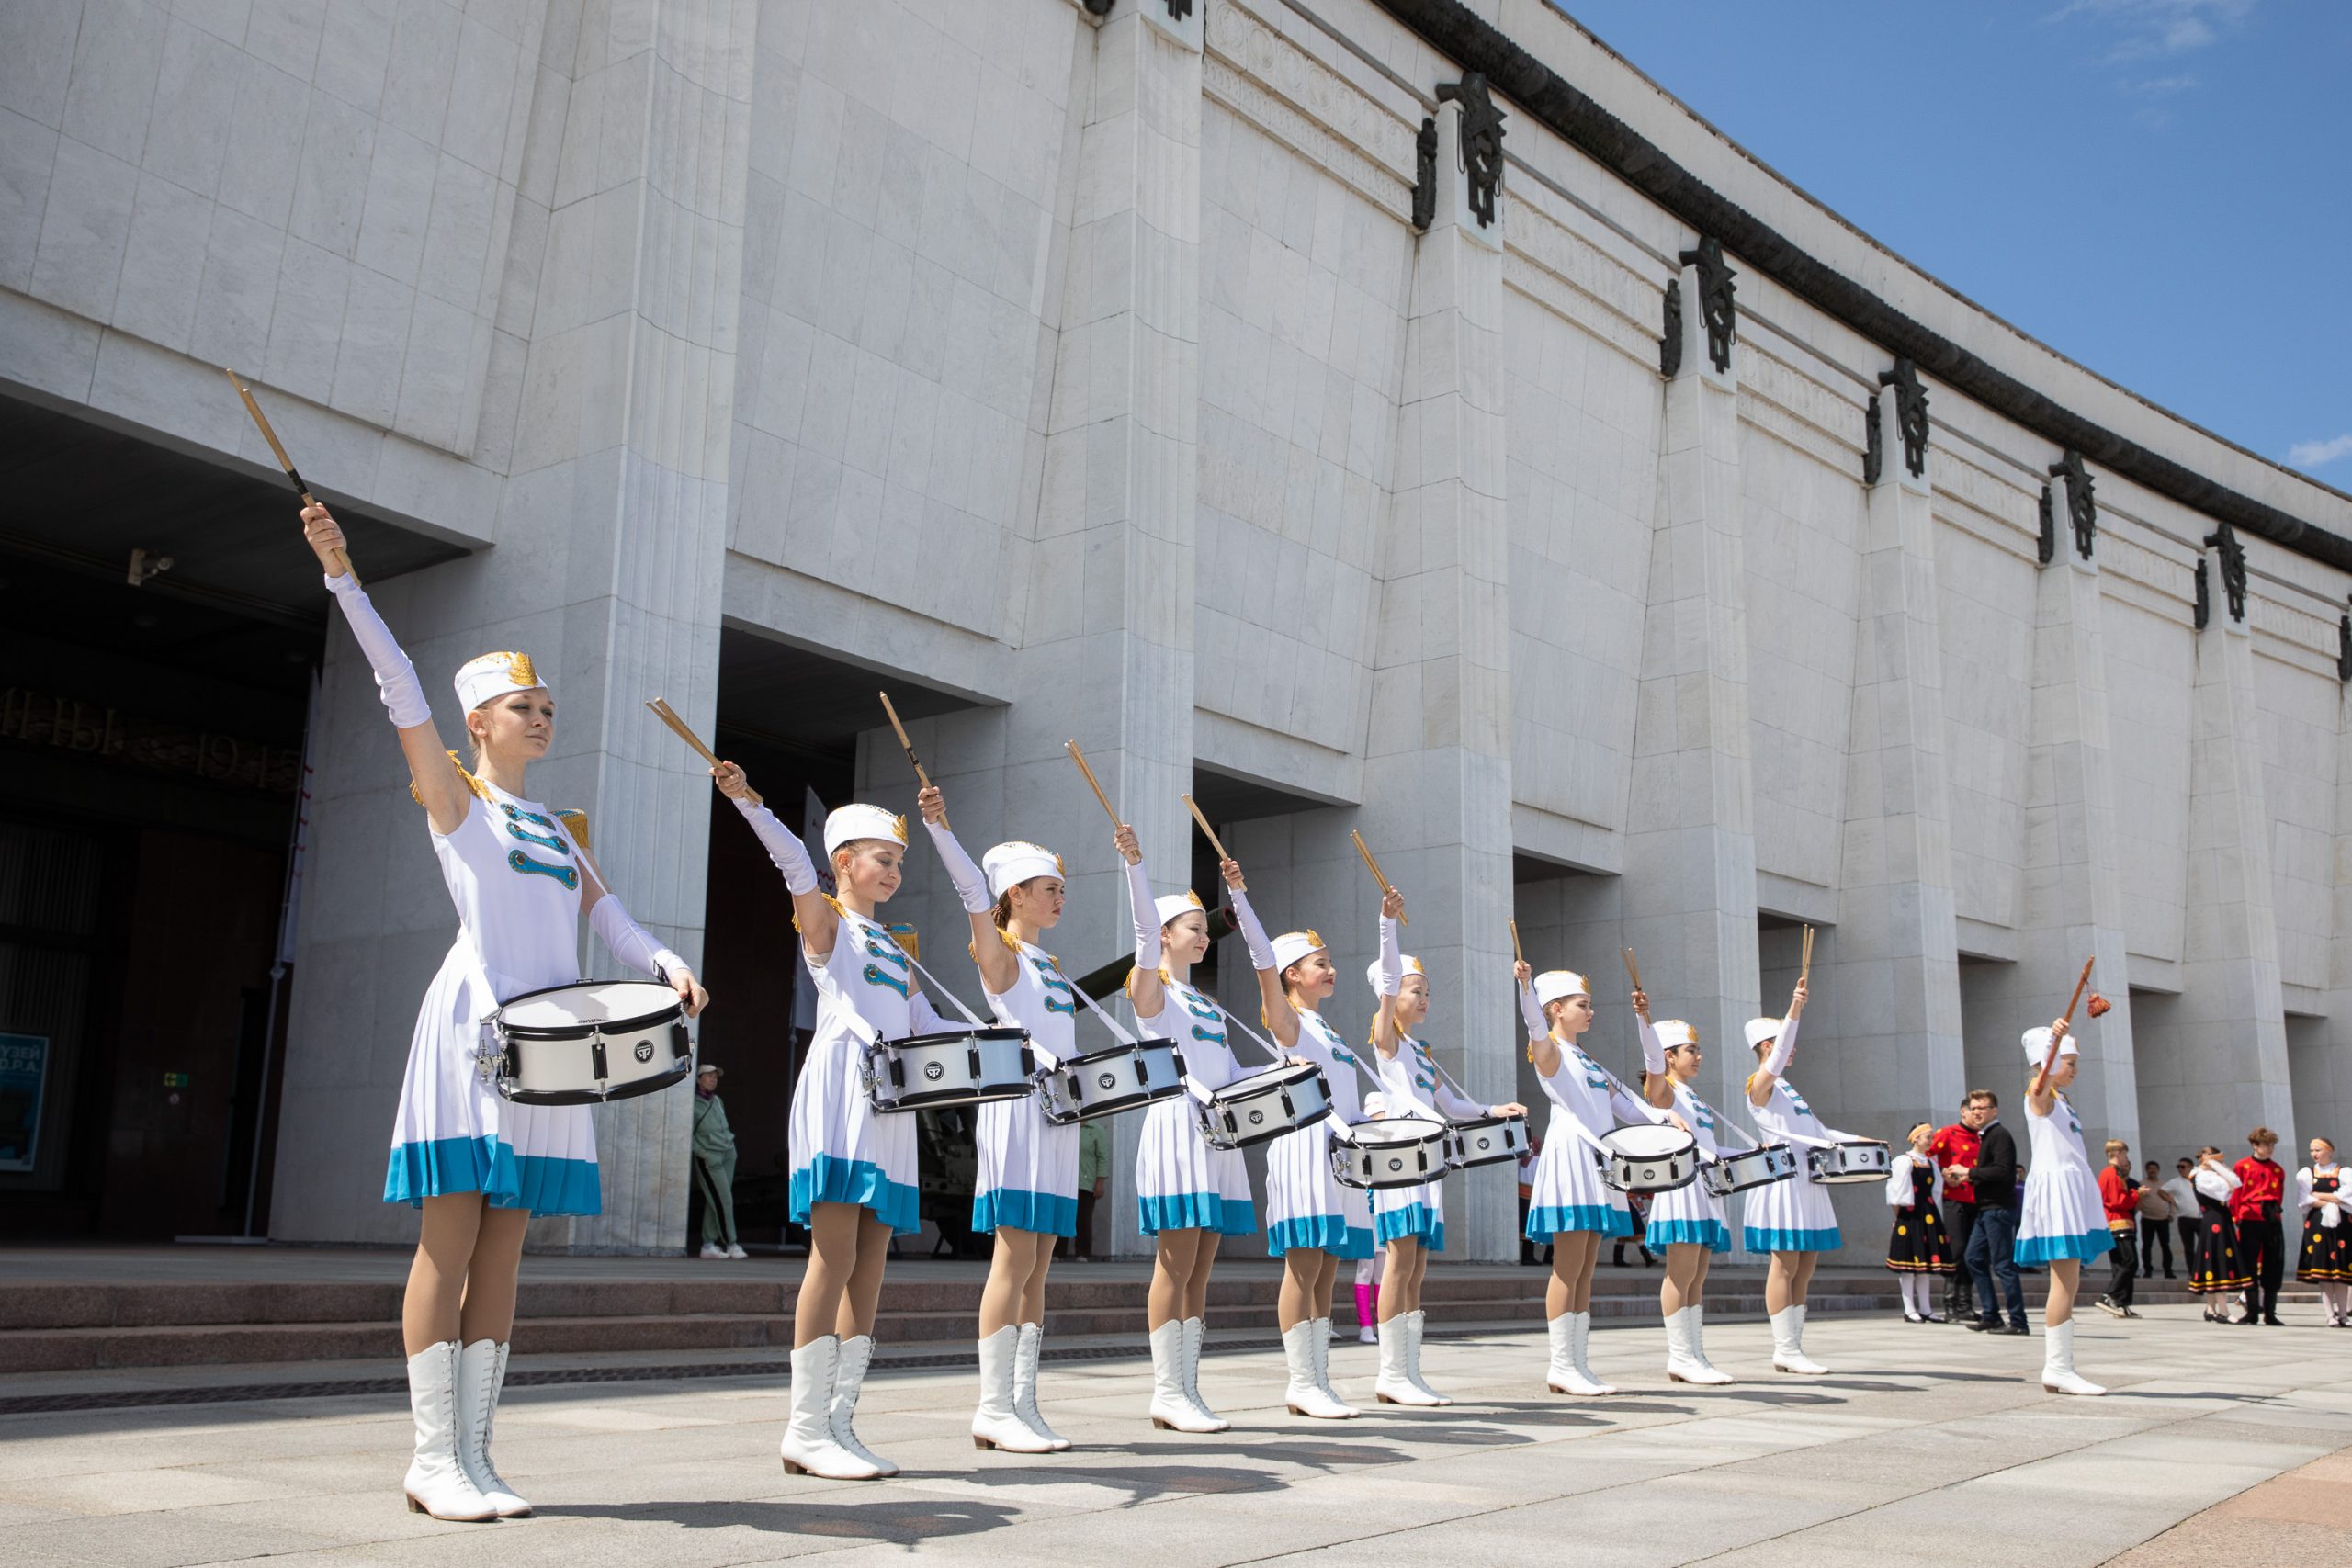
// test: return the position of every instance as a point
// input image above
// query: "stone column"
(1437, 756)
(2320, 1050)
(1690, 877)
(611, 538)
(2223, 1068)
(1890, 1046)
(1107, 653)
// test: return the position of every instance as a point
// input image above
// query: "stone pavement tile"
(2317, 1494)
(151, 1540)
(137, 1491)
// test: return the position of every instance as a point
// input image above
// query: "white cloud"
(2153, 29)
(2314, 453)
(2158, 86)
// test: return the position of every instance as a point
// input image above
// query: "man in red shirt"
(2120, 1194)
(1955, 1149)
(2262, 1240)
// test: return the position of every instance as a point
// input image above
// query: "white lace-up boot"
(849, 1381)
(1304, 1394)
(1560, 1373)
(1788, 1344)
(1170, 1411)
(1420, 1322)
(2058, 1374)
(809, 1448)
(1699, 1346)
(1394, 1386)
(436, 1482)
(1024, 1386)
(1323, 1366)
(481, 1374)
(1579, 1348)
(1683, 1363)
(995, 1424)
(1196, 1332)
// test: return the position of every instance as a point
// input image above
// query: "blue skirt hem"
(1047, 1213)
(1759, 1239)
(1195, 1211)
(491, 1167)
(1414, 1224)
(2047, 1248)
(1606, 1219)
(1713, 1234)
(830, 1179)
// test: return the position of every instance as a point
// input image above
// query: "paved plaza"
(1925, 1442)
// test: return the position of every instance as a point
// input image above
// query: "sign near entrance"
(24, 1065)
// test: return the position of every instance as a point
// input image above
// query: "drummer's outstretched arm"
(1392, 975)
(445, 797)
(809, 910)
(1653, 1080)
(633, 945)
(998, 970)
(1543, 1052)
(1280, 1016)
(1145, 988)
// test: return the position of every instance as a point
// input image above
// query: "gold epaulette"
(472, 783)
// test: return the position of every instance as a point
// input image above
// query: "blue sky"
(2161, 189)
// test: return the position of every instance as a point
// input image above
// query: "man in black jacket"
(1992, 1247)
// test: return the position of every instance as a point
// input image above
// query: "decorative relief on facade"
(1716, 305)
(1252, 104)
(2223, 542)
(2204, 595)
(1482, 143)
(2049, 549)
(1910, 412)
(2343, 648)
(2082, 507)
(1873, 444)
(1425, 175)
(1179, 9)
(1669, 343)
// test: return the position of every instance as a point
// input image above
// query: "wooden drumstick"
(1805, 970)
(1094, 784)
(1206, 830)
(285, 462)
(1517, 956)
(1632, 970)
(1373, 866)
(2078, 988)
(908, 747)
(667, 715)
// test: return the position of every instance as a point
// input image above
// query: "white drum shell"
(586, 1044)
(1402, 1151)
(926, 1071)
(1106, 1082)
(1752, 1167)
(1486, 1140)
(1650, 1159)
(1849, 1164)
(1264, 1106)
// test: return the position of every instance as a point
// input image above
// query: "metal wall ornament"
(1481, 154)
(2204, 611)
(1179, 9)
(1715, 306)
(1669, 346)
(2223, 542)
(1425, 175)
(1873, 444)
(1910, 412)
(2047, 550)
(2343, 648)
(2082, 508)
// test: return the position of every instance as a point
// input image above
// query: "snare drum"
(585, 1044)
(1650, 1159)
(1264, 1106)
(1844, 1164)
(1757, 1168)
(1402, 1151)
(1115, 1078)
(962, 1067)
(1486, 1140)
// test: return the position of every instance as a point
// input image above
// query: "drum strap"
(1267, 1046)
(1118, 1031)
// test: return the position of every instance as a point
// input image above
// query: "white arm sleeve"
(1776, 1060)
(1653, 1048)
(970, 885)
(1261, 947)
(1628, 1109)
(1375, 1104)
(1898, 1182)
(1145, 913)
(1455, 1106)
(632, 943)
(2303, 1199)
(1938, 1195)
(791, 856)
(396, 680)
(1536, 1028)
(1392, 959)
(924, 1017)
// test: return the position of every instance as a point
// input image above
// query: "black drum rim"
(609, 1027)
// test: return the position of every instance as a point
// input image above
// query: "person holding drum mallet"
(1408, 1220)
(1572, 1206)
(2063, 1220)
(1189, 1196)
(481, 1166)
(855, 1182)
(1687, 1223)
(1026, 1187)
(1793, 1220)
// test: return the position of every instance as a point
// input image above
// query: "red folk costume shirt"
(1954, 1145)
(2260, 1182)
(2116, 1191)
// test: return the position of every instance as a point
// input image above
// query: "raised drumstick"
(1373, 866)
(1207, 831)
(1517, 956)
(667, 715)
(1096, 785)
(1632, 970)
(908, 747)
(285, 462)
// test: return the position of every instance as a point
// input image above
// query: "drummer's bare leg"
(863, 1298)
(832, 1264)
(1325, 1280)
(2065, 1274)
(1308, 1273)
(1780, 1282)
(1801, 1277)
(1686, 1273)
(494, 1274)
(1574, 1253)
(1033, 1289)
(1196, 1287)
(1401, 1291)
(1010, 1267)
(436, 1276)
(1172, 1263)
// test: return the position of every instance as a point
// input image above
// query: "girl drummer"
(1312, 1221)
(1687, 1223)
(2062, 1220)
(1917, 1248)
(853, 1183)
(479, 1165)
(1189, 1196)
(1793, 1220)
(1572, 1206)
(1408, 1220)
(1027, 1189)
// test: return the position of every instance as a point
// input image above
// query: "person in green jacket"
(715, 1167)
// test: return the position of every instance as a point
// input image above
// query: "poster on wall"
(24, 1063)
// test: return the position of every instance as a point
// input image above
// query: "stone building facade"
(1389, 415)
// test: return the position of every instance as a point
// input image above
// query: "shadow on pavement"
(906, 1522)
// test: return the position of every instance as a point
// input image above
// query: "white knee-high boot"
(1024, 1384)
(1699, 1343)
(1683, 1361)
(1421, 1321)
(995, 1424)
(2058, 1374)
(1305, 1395)
(1396, 1385)
(1323, 1365)
(1788, 1344)
(1170, 1411)
(1196, 1332)
(1581, 1348)
(436, 1482)
(1560, 1373)
(849, 1381)
(809, 1448)
(482, 1375)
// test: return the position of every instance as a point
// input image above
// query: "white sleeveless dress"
(2062, 1214)
(514, 875)
(1567, 1193)
(1690, 1213)
(841, 1150)
(1180, 1182)
(1304, 1207)
(1795, 1215)
(1409, 1085)
(1028, 1166)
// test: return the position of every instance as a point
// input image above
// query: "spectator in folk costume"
(2326, 1260)
(715, 1167)
(2256, 1208)
(2182, 1190)
(1917, 1248)
(2217, 1273)
(1953, 1149)
(2158, 1209)
(2120, 1194)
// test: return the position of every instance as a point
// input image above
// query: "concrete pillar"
(611, 534)
(2320, 1049)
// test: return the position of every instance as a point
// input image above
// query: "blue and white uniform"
(1180, 1182)
(2062, 1214)
(1304, 1205)
(1689, 1213)
(1567, 1193)
(1409, 1085)
(1795, 1215)
(1028, 1165)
